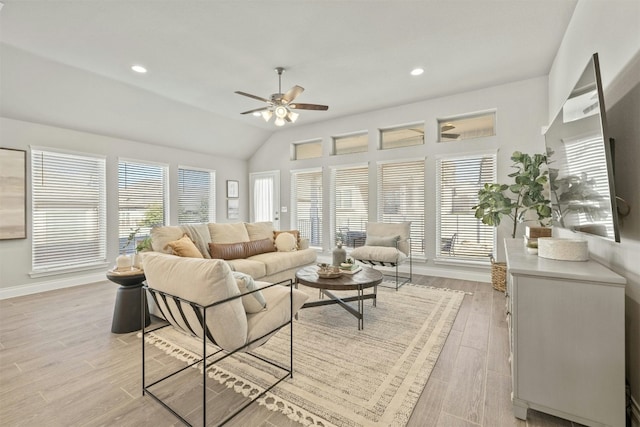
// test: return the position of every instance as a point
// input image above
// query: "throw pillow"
(295, 233)
(254, 302)
(286, 242)
(257, 247)
(227, 251)
(184, 247)
(382, 241)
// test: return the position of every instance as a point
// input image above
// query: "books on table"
(353, 270)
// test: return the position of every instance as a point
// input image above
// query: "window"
(401, 198)
(405, 136)
(306, 150)
(460, 235)
(306, 204)
(467, 127)
(350, 203)
(349, 144)
(141, 199)
(69, 210)
(196, 195)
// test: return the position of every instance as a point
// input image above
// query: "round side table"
(128, 308)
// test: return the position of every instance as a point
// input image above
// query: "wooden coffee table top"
(365, 278)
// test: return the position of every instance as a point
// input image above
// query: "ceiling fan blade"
(447, 127)
(255, 110)
(450, 135)
(298, 106)
(259, 98)
(292, 93)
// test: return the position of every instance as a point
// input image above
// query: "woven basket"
(498, 275)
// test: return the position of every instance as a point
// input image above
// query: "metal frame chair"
(219, 355)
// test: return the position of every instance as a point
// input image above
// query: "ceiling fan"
(280, 104)
(447, 127)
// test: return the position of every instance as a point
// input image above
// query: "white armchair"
(387, 245)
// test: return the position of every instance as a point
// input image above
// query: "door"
(265, 197)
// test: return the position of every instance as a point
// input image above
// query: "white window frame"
(294, 221)
(76, 176)
(451, 257)
(211, 214)
(296, 145)
(382, 132)
(493, 113)
(341, 151)
(353, 205)
(144, 230)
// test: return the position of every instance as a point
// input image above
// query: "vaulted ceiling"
(67, 63)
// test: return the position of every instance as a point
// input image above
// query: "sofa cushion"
(233, 232)
(184, 247)
(278, 312)
(378, 254)
(253, 268)
(253, 302)
(202, 281)
(260, 230)
(276, 262)
(286, 242)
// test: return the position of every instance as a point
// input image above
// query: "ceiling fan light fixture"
(281, 111)
(293, 116)
(266, 115)
(279, 121)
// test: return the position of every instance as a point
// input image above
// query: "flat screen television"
(580, 158)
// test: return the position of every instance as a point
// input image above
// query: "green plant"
(144, 244)
(131, 237)
(526, 194)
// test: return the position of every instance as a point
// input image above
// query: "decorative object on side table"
(127, 311)
(327, 271)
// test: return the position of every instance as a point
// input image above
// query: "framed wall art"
(233, 189)
(13, 194)
(233, 209)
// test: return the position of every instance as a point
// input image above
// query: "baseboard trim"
(635, 413)
(50, 285)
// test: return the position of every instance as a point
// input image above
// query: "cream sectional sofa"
(249, 248)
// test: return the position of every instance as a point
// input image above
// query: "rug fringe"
(240, 386)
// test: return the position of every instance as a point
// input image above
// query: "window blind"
(69, 210)
(401, 198)
(350, 203)
(141, 199)
(460, 235)
(196, 196)
(306, 203)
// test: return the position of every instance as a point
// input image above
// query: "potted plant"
(526, 194)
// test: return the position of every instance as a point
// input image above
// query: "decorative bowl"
(329, 274)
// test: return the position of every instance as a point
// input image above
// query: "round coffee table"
(127, 311)
(364, 279)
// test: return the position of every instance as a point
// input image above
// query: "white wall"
(521, 114)
(15, 255)
(612, 29)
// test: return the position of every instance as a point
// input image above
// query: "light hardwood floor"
(61, 366)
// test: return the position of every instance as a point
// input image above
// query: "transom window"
(467, 127)
(348, 144)
(404, 136)
(306, 150)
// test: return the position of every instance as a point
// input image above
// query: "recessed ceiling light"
(417, 71)
(139, 69)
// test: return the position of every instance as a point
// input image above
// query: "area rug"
(342, 376)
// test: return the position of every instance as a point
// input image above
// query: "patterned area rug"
(342, 376)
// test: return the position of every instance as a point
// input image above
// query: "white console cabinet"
(566, 334)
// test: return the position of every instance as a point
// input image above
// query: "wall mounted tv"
(580, 161)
